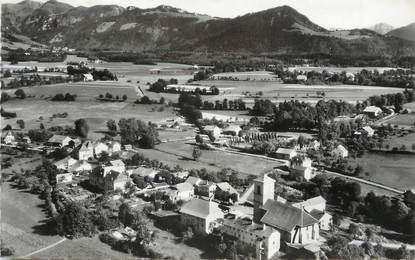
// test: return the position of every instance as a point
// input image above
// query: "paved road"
(371, 183)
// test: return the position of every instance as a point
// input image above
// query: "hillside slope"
(406, 32)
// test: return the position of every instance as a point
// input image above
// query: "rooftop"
(285, 217)
(201, 208)
(284, 151)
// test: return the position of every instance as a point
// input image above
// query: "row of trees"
(225, 104)
(62, 97)
(160, 86)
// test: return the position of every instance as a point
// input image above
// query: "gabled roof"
(285, 151)
(193, 180)
(368, 129)
(232, 128)
(310, 202)
(372, 109)
(285, 217)
(210, 127)
(225, 186)
(65, 160)
(341, 148)
(58, 138)
(182, 187)
(86, 146)
(117, 163)
(201, 208)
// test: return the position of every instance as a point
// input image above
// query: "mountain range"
(280, 30)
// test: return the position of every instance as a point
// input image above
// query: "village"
(251, 211)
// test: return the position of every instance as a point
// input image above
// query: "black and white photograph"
(209, 129)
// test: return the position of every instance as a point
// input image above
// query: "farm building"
(88, 77)
(59, 141)
(8, 138)
(285, 154)
(340, 151)
(212, 129)
(232, 130)
(372, 111)
(108, 181)
(201, 215)
(180, 192)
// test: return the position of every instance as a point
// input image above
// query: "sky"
(344, 14)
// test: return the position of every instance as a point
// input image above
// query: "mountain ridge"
(281, 30)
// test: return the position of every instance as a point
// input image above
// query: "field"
(22, 219)
(85, 91)
(96, 113)
(395, 170)
(402, 120)
(339, 69)
(174, 153)
(279, 92)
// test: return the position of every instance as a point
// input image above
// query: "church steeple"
(263, 191)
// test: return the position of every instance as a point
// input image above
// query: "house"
(115, 165)
(264, 240)
(372, 111)
(180, 192)
(181, 175)
(350, 76)
(88, 77)
(27, 140)
(86, 151)
(66, 163)
(232, 130)
(212, 129)
(114, 147)
(370, 132)
(100, 148)
(301, 77)
(224, 189)
(195, 181)
(80, 166)
(64, 177)
(128, 147)
(316, 207)
(285, 154)
(340, 151)
(59, 141)
(9, 138)
(301, 168)
(201, 215)
(143, 172)
(206, 188)
(108, 181)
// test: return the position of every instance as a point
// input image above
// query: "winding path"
(43, 249)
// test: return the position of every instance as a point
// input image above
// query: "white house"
(113, 147)
(286, 154)
(86, 151)
(232, 130)
(372, 111)
(264, 239)
(59, 140)
(115, 165)
(181, 175)
(212, 129)
(301, 77)
(99, 148)
(201, 215)
(9, 138)
(370, 132)
(301, 169)
(64, 177)
(340, 151)
(66, 163)
(180, 192)
(88, 77)
(195, 181)
(80, 166)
